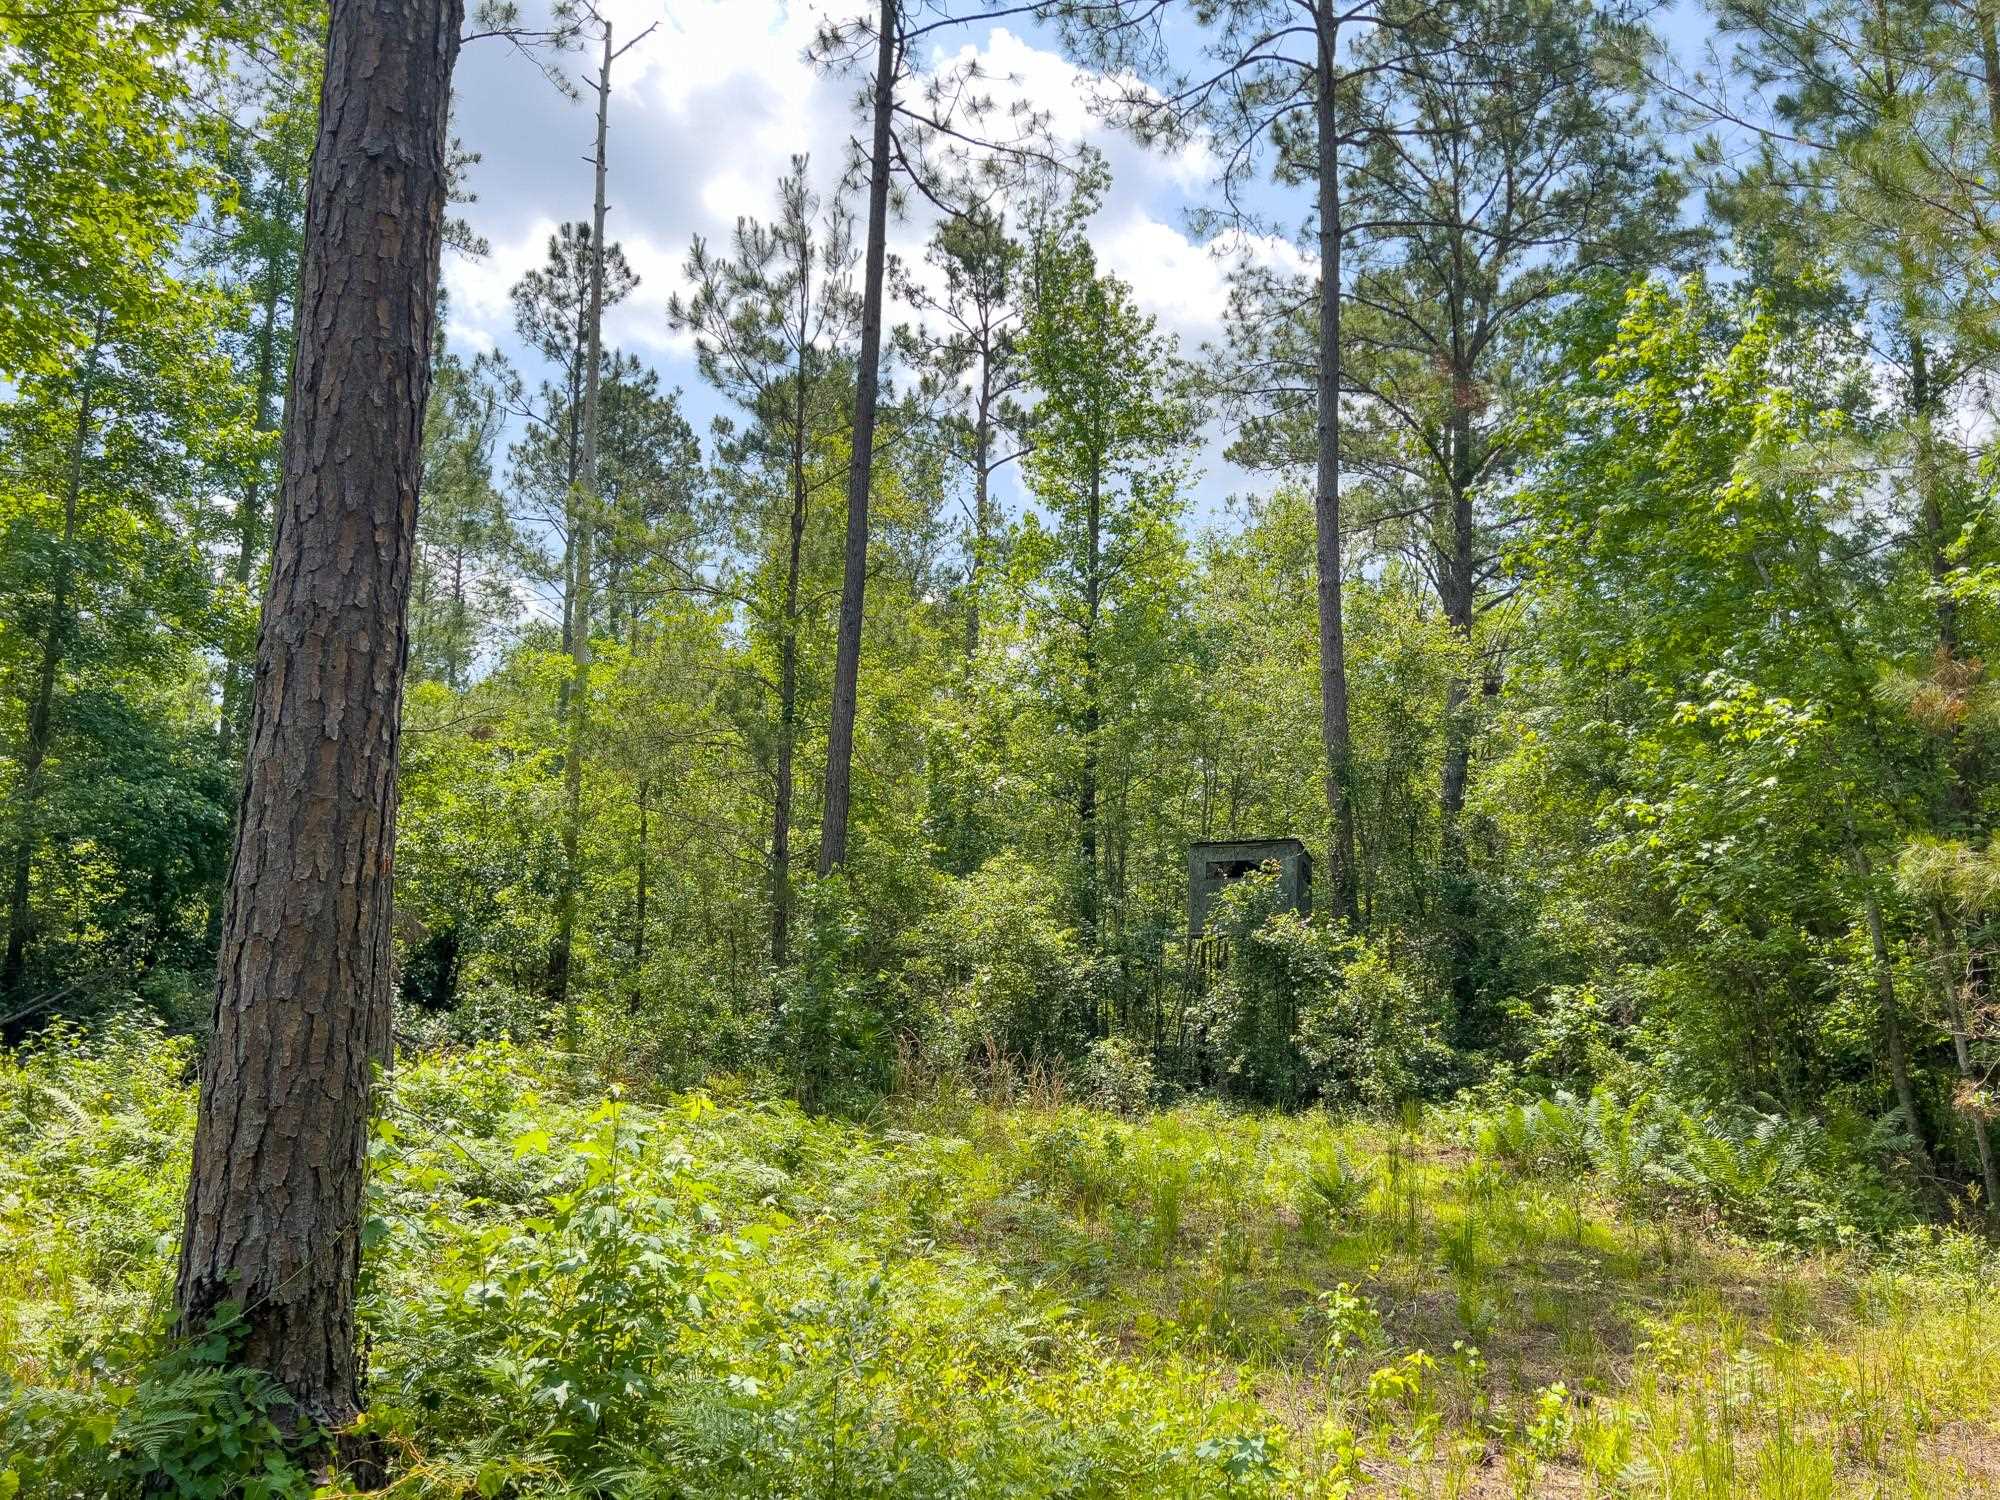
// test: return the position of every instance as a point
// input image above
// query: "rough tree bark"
(1457, 573)
(1458, 581)
(1334, 733)
(982, 488)
(854, 566)
(302, 989)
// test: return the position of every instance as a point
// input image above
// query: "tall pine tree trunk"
(572, 471)
(788, 669)
(868, 375)
(1336, 740)
(1456, 574)
(1458, 581)
(455, 639)
(1093, 713)
(302, 1006)
(584, 531)
(982, 492)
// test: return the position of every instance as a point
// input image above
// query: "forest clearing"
(573, 1291)
(828, 749)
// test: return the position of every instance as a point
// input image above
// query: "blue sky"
(707, 111)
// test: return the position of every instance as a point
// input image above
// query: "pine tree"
(274, 1206)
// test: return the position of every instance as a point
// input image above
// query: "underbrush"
(1776, 1177)
(570, 1291)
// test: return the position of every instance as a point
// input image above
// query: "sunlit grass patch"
(567, 1292)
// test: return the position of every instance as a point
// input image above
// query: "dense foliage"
(1670, 583)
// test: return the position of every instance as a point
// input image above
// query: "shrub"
(1568, 1035)
(1118, 1075)
(996, 963)
(1370, 1038)
(1277, 965)
(1306, 1010)
(834, 1029)
(676, 1025)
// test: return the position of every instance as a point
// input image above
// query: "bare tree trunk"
(302, 1007)
(573, 470)
(781, 800)
(788, 670)
(854, 565)
(583, 527)
(454, 669)
(1093, 717)
(982, 489)
(41, 710)
(639, 896)
(1456, 573)
(1457, 579)
(1334, 733)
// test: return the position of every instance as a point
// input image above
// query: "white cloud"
(1182, 283)
(640, 321)
(731, 194)
(480, 311)
(1018, 71)
(707, 112)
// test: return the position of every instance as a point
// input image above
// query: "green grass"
(712, 1294)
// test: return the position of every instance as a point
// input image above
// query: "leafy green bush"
(1118, 1075)
(996, 963)
(833, 1023)
(1568, 1035)
(1370, 1038)
(676, 1024)
(1306, 1010)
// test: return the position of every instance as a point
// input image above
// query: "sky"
(706, 113)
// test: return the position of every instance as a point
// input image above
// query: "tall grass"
(574, 1293)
